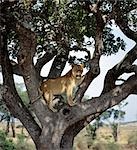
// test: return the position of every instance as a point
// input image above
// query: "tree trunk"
(62, 136)
(8, 125)
(13, 126)
(115, 131)
(64, 142)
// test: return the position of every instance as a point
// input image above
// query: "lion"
(66, 84)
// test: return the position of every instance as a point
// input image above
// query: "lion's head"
(77, 70)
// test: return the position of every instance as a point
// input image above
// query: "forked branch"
(125, 66)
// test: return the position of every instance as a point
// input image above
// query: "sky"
(106, 63)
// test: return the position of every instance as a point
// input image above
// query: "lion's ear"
(72, 65)
(82, 65)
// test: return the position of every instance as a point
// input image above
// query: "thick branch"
(74, 129)
(27, 44)
(118, 15)
(126, 30)
(119, 69)
(94, 63)
(42, 61)
(10, 96)
(89, 77)
(59, 64)
(27, 41)
(15, 68)
(20, 111)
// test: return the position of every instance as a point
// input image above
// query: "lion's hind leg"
(49, 97)
(70, 97)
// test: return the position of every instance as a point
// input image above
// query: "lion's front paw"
(71, 103)
(54, 110)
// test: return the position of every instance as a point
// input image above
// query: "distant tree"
(49, 30)
(118, 115)
(92, 128)
(112, 117)
(5, 115)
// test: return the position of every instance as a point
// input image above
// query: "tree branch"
(63, 47)
(9, 93)
(74, 129)
(15, 68)
(119, 69)
(27, 40)
(42, 61)
(117, 14)
(89, 77)
(59, 64)
(94, 62)
(20, 111)
(27, 48)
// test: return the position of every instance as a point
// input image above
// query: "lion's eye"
(79, 70)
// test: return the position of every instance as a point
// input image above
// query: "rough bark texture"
(56, 131)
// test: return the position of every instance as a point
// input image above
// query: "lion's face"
(77, 71)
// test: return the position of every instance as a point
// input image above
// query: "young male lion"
(62, 85)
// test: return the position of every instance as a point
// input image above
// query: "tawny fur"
(64, 84)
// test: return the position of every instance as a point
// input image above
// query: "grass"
(22, 141)
(127, 139)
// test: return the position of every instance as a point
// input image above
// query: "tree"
(51, 29)
(112, 117)
(118, 114)
(7, 116)
(92, 129)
